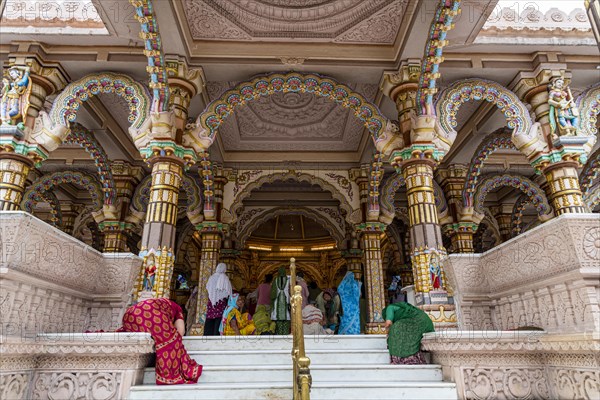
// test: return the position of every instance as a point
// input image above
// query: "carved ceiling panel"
(291, 122)
(339, 21)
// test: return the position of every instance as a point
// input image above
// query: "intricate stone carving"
(365, 21)
(381, 28)
(538, 280)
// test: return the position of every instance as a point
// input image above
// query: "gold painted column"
(158, 237)
(14, 169)
(503, 215)
(374, 280)
(461, 235)
(428, 253)
(209, 258)
(548, 83)
(563, 185)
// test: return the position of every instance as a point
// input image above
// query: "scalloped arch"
(536, 195)
(590, 172)
(588, 103)
(35, 193)
(315, 215)
(517, 214)
(67, 103)
(219, 109)
(451, 99)
(500, 139)
(56, 219)
(81, 136)
(299, 177)
(592, 197)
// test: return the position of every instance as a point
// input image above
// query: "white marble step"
(323, 342)
(262, 357)
(213, 391)
(320, 390)
(320, 373)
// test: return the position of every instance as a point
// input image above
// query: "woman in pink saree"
(163, 319)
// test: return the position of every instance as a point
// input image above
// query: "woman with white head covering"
(219, 290)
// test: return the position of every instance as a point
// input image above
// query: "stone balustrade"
(73, 365)
(52, 282)
(547, 278)
(518, 364)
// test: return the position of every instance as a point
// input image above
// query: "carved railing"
(301, 363)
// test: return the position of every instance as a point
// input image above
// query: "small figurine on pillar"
(564, 115)
(15, 96)
(154, 280)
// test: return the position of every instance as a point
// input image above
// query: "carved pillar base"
(565, 193)
(13, 176)
(211, 244)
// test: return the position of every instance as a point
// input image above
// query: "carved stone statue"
(564, 115)
(149, 273)
(15, 95)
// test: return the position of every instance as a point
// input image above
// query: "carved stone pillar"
(565, 194)
(116, 232)
(14, 169)
(69, 215)
(161, 217)
(211, 234)
(371, 244)
(428, 252)
(184, 84)
(461, 234)
(503, 215)
(561, 169)
(354, 259)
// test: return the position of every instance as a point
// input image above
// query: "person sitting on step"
(235, 321)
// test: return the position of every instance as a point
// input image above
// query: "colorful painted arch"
(535, 194)
(220, 109)
(38, 189)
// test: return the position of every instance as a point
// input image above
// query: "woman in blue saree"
(349, 291)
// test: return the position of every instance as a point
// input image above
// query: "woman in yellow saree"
(234, 322)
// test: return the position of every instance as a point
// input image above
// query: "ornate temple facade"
(447, 147)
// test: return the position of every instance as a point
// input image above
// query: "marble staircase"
(342, 367)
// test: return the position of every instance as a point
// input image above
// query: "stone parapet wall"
(518, 364)
(51, 282)
(73, 366)
(548, 277)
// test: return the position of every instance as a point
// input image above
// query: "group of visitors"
(266, 311)
(332, 311)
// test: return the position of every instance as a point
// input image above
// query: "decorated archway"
(246, 229)
(515, 111)
(589, 108)
(318, 85)
(81, 136)
(52, 128)
(342, 182)
(38, 189)
(501, 139)
(535, 194)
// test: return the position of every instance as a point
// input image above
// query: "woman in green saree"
(406, 325)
